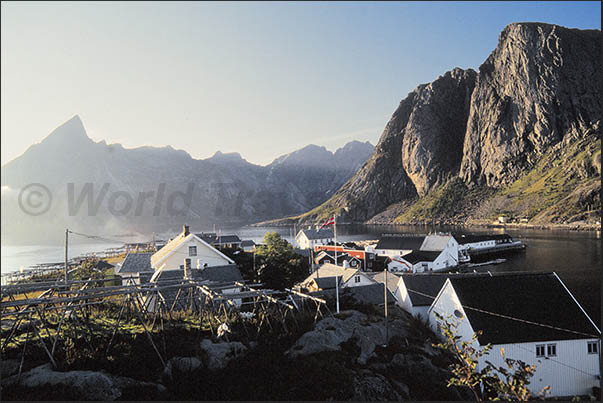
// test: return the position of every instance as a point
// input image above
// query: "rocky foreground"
(340, 358)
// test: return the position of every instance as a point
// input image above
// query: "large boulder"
(219, 354)
(374, 387)
(331, 332)
(181, 365)
(82, 385)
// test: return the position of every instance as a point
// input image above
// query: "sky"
(262, 79)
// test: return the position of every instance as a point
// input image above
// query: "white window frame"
(553, 347)
(543, 347)
(356, 279)
(592, 347)
(191, 248)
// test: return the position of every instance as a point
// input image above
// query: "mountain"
(519, 137)
(101, 188)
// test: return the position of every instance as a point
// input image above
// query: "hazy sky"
(262, 79)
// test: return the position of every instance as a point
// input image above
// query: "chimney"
(185, 230)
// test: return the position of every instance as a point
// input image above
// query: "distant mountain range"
(520, 137)
(224, 189)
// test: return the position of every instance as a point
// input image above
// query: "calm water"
(575, 256)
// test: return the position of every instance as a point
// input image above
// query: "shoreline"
(578, 227)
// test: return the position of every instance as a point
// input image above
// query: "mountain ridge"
(535, 98)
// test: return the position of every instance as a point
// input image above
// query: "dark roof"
(247, 242)
(226, 273)
(136, 263)
(400, 242)
(323, 233)
(417, 256)
(212, 238)
(540, 298)
(102, 265)
(468, 238)
(372, 294)
(325, 283)
(428, 283)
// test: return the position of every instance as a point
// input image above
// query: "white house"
(416, 292)
(443, 243)
(188, 247)
(308, 238)
(350, 277)
(535, 318)
(133, 265)
(421, 261)
(396, 245)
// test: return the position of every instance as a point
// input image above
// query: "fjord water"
(574, 256)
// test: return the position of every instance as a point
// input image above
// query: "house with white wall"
(534, 318)
(350, 277)
(309, 238)
(396, 244)
(443, 243)
(416, 292)
(188, 247)
(423, 261)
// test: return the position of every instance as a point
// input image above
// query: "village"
(531, 316)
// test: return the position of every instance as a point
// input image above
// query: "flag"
(330, 221)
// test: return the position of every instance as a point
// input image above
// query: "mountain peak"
(71, 130)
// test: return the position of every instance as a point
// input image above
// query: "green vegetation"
(278, 266)
(490, 382)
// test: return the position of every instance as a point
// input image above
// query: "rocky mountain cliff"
(117, 190)
(520, 137)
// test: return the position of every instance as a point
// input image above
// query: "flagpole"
(335, 230)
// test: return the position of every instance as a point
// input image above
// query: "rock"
(9, 367)
(535, 97)
(219, 354)
(374, 388)
(331, 332)
(85, 385)
(181, 364)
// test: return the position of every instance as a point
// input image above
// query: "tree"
(491, 382)
(278, 265)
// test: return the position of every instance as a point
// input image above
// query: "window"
(551, 350)
(540, 350)
(192, 251)
(592, 347)
(357, 279)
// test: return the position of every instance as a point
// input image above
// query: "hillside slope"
(521, 137)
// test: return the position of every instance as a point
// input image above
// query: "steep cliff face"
(480, 142)
(540, 85)
(420, 148)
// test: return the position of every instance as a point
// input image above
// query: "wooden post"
(66, 244)
(385, 299)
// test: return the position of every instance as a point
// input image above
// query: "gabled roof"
(330, 270)
(428, 284)
(417, 256)
(325, 283)
(541, 298)
(226, 273)
(213, 238)
(323, 233)
(392, 279)
(136, 263)
(400, 242)
(175, 243)
(371, 294)
(247, 242)
(463, 239)
(435, 242)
